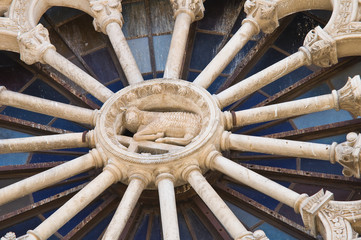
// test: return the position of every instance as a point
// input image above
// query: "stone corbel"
(105, 12)
(263, 13)
(334, 220)
(348, 155)
(33, 44)
(194, 8)
(320, 48)
(350, 96)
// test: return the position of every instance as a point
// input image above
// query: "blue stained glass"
(339, 79)
(239, 57)
(21, 228)
(133, 14)
(216, 84)
(42, 157)
(199, 229)
(60, 14)
(316, 91)
(140, 50)
(142, 229)
(68, 125)
(321, 118)
(246, 218)
(99, 228)
(27, 115)
(161, 49)
(183, 228)
(274, 233)
(289, 163)
(116, 86)
(43, 90)
(314, 165)
(282, 127)
(253, 100)
(156, 230)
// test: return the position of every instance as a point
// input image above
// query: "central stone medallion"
(158, 124)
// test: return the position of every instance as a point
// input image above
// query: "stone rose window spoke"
(167, 135)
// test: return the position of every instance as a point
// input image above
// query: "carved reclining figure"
(162, 127)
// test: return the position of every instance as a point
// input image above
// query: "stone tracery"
(201, 151)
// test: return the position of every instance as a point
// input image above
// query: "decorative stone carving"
(162, 127)
(33, 44)
(194, 8)
(105, 12)
(332, 219)
(263, 13)
(257, 235)
(350, 96)
(320, 48)
(9, 236)
(348, 155)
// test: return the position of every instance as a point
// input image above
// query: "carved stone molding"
(33, 44)
(332, 219)
(105, 12)
(9, 236)
(257, 235)
(320, 48)
(194, 8)
(263, 13)
(348, 155)
(350, 96)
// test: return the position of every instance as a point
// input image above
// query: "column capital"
(257, 235)
(105, 12)
(320, 48)
(350, 96)
(263, 14)
(194, 8)
(348, 155)
(332, 219)
(33, 44)
(9, 236)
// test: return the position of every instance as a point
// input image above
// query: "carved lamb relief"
(162, 127)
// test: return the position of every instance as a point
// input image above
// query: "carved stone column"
(109, 20)
(334, 220)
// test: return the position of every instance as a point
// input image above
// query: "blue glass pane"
(316, 91)
(282, 127)
(68, 125)
(162, 24)
(99, 228)
(116, 86)
(289, 163)
(27, 115)
(140, 50)
(156, 230)
(339, 79)
(314, 165)
(253, 100)
(21, 228)
(239, 57)
(199, 229)
(59, 15)
(43, 90)
(321, 118)
(142, 229)
(183, 228)
(330, 140)
(7, 134)
(216, 84)
(161, 49)
(42, 157)
(274, 233)
(13, 159)
(205, 48)
(13, 76)
(102, 64)
(246, 218)
(135, 20)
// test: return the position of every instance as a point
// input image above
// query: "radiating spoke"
(48, 107)
(73, 206)
(279, 146)
(42, 143)
(256, 181)
(168, 208)
(35, 47)
(185, 13)
(215, 203)
(49, 177)
(225, 56)
(125, 208)
(261, 79)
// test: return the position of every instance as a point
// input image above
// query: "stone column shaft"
(41, 143)
(225, 56)
(47, 178)
(178, 44)
(77, 75)
(280, 147)
(44, 106)
(216, 204)
(261, 79)
(287, 109)
(255, 181)
(124, 210)
(73, 206)
(168, 209)
(124, 53)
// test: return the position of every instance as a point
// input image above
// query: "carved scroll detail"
(264, 12)
(105, 12)
(9, 236)
(320, 48)
(257, 235)
(332, 219)
(33, 44)
(194, 8)
(348, 155)
(350, 96)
